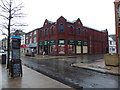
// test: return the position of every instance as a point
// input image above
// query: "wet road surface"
(61, 70)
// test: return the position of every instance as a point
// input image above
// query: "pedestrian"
(43, 52)
(32, 52)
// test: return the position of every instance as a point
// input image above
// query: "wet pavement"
(30, 79)
(61, 70)
(99, 66)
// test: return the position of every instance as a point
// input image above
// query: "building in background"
(31, 41)
(112, 44)
(70, 38)
(0, 44)
(22, 35)
(117, 21)
(4, 44)
(23, 45)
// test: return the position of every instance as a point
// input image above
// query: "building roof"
(91, 28)
(117, 0)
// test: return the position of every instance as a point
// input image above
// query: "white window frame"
(35, 39)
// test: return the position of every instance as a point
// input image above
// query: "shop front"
(45, 50)
(32, 46)
(78, 46)
(41, 47)
(71, 47)
(61, 46)
(22, 48)
(85, 47)
(53, 48)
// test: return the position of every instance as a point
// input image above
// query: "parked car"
(2, 52)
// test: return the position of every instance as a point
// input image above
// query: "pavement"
(30, 79)
(97, 65)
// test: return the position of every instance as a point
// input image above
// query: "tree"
(11, 15)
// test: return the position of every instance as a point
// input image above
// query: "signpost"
(15, 62)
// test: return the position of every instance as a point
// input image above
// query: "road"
(61, 70)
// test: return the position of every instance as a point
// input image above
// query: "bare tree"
(11, 15)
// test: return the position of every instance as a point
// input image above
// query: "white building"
(112, 45)
(23, 43)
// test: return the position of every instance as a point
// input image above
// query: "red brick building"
(70, 38)
(117, 21)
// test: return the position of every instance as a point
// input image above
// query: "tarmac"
(34, 79)
(97, 65)
(30, 79)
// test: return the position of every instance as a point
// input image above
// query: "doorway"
(46, 50)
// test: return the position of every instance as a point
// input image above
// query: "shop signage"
(32, 45)
(78, 42)
(85, 43)
(61, 42)
(41, 43)
(45, 43)
(52, 42)
(71, 42)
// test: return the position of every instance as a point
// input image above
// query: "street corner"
(99, 67)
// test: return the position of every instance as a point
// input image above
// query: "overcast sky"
(98, 14)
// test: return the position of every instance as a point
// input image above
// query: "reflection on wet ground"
(30, 79)
(61, 70)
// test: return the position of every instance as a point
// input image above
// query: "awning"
(23, 46)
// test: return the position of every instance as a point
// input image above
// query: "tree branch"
(4, 16)
(5, 7)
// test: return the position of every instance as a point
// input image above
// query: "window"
(85, 32)
(119, 11)
(46, 32)
(34, 32)
(113, 49)
(71, 29)
(26, 41)
(34, 39)
(61, 28)
(30, 34)
(30, 40)
(78, 32)
(52, 30)
(110, 42)
(41, 33)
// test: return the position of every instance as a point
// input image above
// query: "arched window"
(85, 32)
(119, 11)
(40, 33)
(46, 32)
(52, 30)
(71, 29)
(61, 28)
(78, 31)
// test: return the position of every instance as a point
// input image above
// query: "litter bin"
(3, 58)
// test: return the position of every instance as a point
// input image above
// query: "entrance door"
(46, 50)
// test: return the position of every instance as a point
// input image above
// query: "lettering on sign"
(16, 69)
